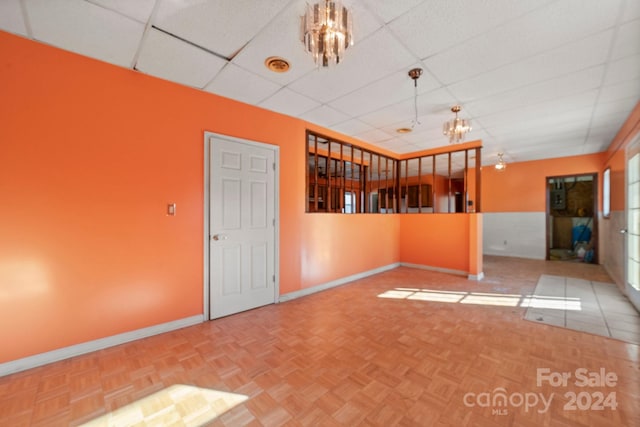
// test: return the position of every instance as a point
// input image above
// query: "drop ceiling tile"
(599, 138)
(11, 19)
(375, 136)
(273, 42)
(525, 134)
(86, 29)
(435, 26)
(140, 10)
(437, 103)
(388, 11)
(396, 146)
(596, 146)
(562, 61)
(352, 127)
(549, 90)
(522, 38)
(389, 115)
(568, 147)
(624, 69)
(239, 84)
(620, 91)
(541, 154)
(600, 133)
(627, 40)
(402, 148)
(576, 107)
(324, 116)
(631, 10)
(371, 59)
(172, 59)
(434, 105)
(572, 136)
(365, 21)
(393, 88)
(608, 112)
(534, 128)
(288, 102)
(609, 120)
(426, 138)
(222, 26)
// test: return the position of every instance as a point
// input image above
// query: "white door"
(633, 223)
(241, 226)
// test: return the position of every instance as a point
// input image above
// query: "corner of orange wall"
(475, 245)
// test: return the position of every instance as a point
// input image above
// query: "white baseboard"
(99, 344)
(438, 269)
(476, 277)
(334, 283)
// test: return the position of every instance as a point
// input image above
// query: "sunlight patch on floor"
(557, 303)
(492, 299)
(179, 405)
(483, 298)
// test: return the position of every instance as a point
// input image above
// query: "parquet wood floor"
(348, 357)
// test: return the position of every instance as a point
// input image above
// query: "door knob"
(217, 237)
(623, 231)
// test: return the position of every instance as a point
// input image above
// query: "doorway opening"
(572, 218)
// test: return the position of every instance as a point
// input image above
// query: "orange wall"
(91, 154)
(367, 241)
(522, 186)
(436, 240)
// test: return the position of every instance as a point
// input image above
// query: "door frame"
(632, 294)
(594, 214)
(207, 201)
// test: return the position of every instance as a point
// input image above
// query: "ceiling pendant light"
(501, 165)
(327, 31)
(456, 129)
(415, 74)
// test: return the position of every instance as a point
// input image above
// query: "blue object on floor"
(580, 233)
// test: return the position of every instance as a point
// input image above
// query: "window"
(343, 178)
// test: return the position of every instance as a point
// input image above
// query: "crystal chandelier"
(327, 31)
(501, 165)
(456, 129)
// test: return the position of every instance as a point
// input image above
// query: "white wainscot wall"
(516, 234)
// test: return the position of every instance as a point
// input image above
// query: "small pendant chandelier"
(456, 129)
(501, 165)
(327, 31)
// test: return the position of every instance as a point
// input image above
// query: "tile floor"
(584, 305)
(349, 357)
